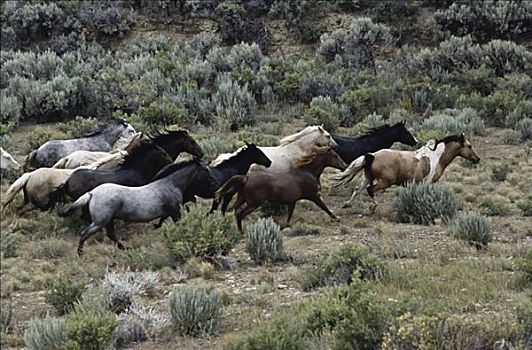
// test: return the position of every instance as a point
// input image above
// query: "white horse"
(110, 160)
(8, 164)
(40, 183)
(290, 148)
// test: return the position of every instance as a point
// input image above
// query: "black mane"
(166, 135)
(377, 130)
(139, 153)
(171, 168)
(450, 138)
(103, 127)
(236, 157)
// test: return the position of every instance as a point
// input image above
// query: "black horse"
(350, 148)
(238, 164)
(161, 198)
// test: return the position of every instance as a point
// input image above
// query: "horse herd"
(116, 173)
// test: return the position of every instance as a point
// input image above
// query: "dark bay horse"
(101, 140)
(350, 148)
(158, 199)
(238, 164)
(288, 187)
(391, 167)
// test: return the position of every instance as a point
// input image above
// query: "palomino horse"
(39, 186)
(288, 187)
(238, 164)
(390, 167)
(291, 148)
(112, 158)
(8, 164)
(158, 199)
(350, 148)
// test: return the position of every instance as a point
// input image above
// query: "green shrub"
(195, 311)
(282, 333)
(422, 203)
(47, 334)
(302, 229)
(10, 109)
(464, 331)
(455, 121)
(522, 110)
(500, 172)
(50, 248)
(264, 241)
(78, 127)
(524, 270)
(213, 146)
(9, 243)
(204, 42)
(338, 268)
(355, 316)
(473, 228)
(274, 209)
(199, 235)
(257, 137)
(196, 268)
(63, 293)
(511, 137)
(234, 103)
(90, 330)
(120, 288)
(526, 205)
(39, 137)
(143, 258)
(323, 111)
(495, 205)
(524, 127)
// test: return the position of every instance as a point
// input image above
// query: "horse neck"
(315, 167)
(451, 152)
(110, 135)
(173, 148)
(181, 178)
(240, 165)
(381, 140)
(141, 167)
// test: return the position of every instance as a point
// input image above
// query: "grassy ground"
(430, 272)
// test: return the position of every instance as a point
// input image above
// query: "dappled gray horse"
(161, 198)
(101, 140)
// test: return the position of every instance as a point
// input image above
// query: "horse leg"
(316, 199)
(291, 208)
(379, 186)
(110, 229)
(175, 215)
(24, 208)
(225, 202)
(160, 223)
(240, 200)
(85, 234)
(356, 192)
(242, 214)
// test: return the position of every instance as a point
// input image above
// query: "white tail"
(349, 174)
(15, 188)
(83, 200)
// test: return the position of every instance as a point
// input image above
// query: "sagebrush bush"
(455, 331)
(511, 137)
(78, 127)
(199, 235)
(9, 243)
(204, 42)
(455, 121)
(323, 111)
(143, 258)
(495, 205)
(500, 172)
(524, 127)
(138, 323)
(524, 270)
(422, 203)
(340, 267)
(50, 248)
(526, 205)
(282, 333)
(120, 288)
(195, 311)
(473, 228)
(47, 333)
(90, 330)
(39, 137)
(234, 103)
(264, 241)
(357, 318)
(213, 146)
(63, 293)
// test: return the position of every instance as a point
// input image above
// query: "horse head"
(404, 136)
(8, 163)
(466, 150)
(191, 146)
(334, 160)
(203, 177)
(256, 155)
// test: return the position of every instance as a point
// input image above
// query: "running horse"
(288, 187)
(391, 167)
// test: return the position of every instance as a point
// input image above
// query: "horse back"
(84, 180)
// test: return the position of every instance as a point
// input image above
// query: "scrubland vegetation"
(456, 276)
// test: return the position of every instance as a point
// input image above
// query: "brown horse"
(390, 167)
(286, 187)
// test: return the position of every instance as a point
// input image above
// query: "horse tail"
(352, 170)
(234, 184)
(83, 200)
(369, 158)
(19, 184)
(30, 159)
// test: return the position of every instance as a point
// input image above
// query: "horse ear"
(462, 137)
(247, 144)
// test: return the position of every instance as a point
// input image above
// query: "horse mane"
(377, 130)
(233, 157)
(165, 135)
(138, 152)
(172, 168)
(448, 139)
(297, 136)
(103, 127)
(308, 157)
